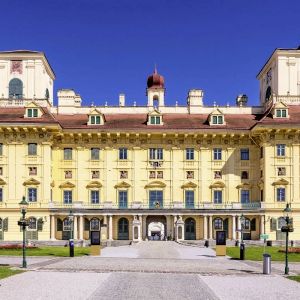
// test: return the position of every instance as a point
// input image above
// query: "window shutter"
(86, 225)
(59, 225)
(40, 223)
(273, 224)
(5, 224)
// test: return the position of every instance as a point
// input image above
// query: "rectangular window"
(123, 174)
(123, 199)
(217, 154)
(1, 149)
(32, 195)
(32, 171)
(155, 120)
(95, 174)
(281, 113)
(122, 153)
(1, 171)
(156, 199)
(156, 153)
(68, 153)
(281, 171)
(280, 149)
(152, 174)
(261, 152)
(95, 153)
(245, 154)
(217, 197)
(1, 194)
(189, 174)
(217, 120)
(32, 149)
(67, 197)
(189, 153)
(95, 197)
(218, 175)
(95, 120)
(244, 175)
(32, 113)
(281, 194)
(189, 199)
(245, 196)
(68, 174)
(160, 174)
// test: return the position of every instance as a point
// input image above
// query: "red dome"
(155, 80)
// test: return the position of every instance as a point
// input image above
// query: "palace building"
(147, 172)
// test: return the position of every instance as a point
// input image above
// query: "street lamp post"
(242, 246)
(23, 223)
(287, 228)
(71, 241)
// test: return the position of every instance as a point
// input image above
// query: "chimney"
(121, 99)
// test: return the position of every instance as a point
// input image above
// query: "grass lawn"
(256, 253)
(47, 251)
(296, 278)
(7, 271)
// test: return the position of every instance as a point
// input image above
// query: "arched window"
(218, 224)
(268, 93)
(67, 224)
(281, 222)
(16, 89)
(123, 232)
(155, 101)
(47, 95)
(95, 224)
(190, 229)
(32, 223)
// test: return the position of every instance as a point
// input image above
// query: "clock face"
(269, 77)
(16, 66)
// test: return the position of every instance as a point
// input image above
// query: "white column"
(234, 227)
(175, 228)
(262, 224)
(210, 229)
(52, 230)
(141, 227)
(81, 227)
(110, 232)
(239, 235)
(75, 228)
(205, 227)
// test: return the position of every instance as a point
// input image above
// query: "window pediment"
(280, 111)
(280, 182)
(155, 117)
(2, 182)
(67, 185)
(31, 181)
(189, 185)
(155, 184)
(244, 186)
(121, 185)
(217, 184)
(94, 185)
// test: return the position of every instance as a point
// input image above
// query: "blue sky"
(102, 48)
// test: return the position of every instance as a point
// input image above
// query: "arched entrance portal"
(156, 228)
(190, 229)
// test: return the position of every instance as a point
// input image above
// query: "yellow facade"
(135, 173)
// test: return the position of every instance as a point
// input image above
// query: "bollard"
(242, 251)
(266, 264)
(71, 245)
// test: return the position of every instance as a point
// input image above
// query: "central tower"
(156, 90)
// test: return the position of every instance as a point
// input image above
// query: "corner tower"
(156, 90)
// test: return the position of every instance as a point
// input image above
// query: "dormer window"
(216, 118)
(32, 112)
(96, 118)
(155, 118)
(281, 113)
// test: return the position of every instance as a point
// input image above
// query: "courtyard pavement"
(148, 270)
